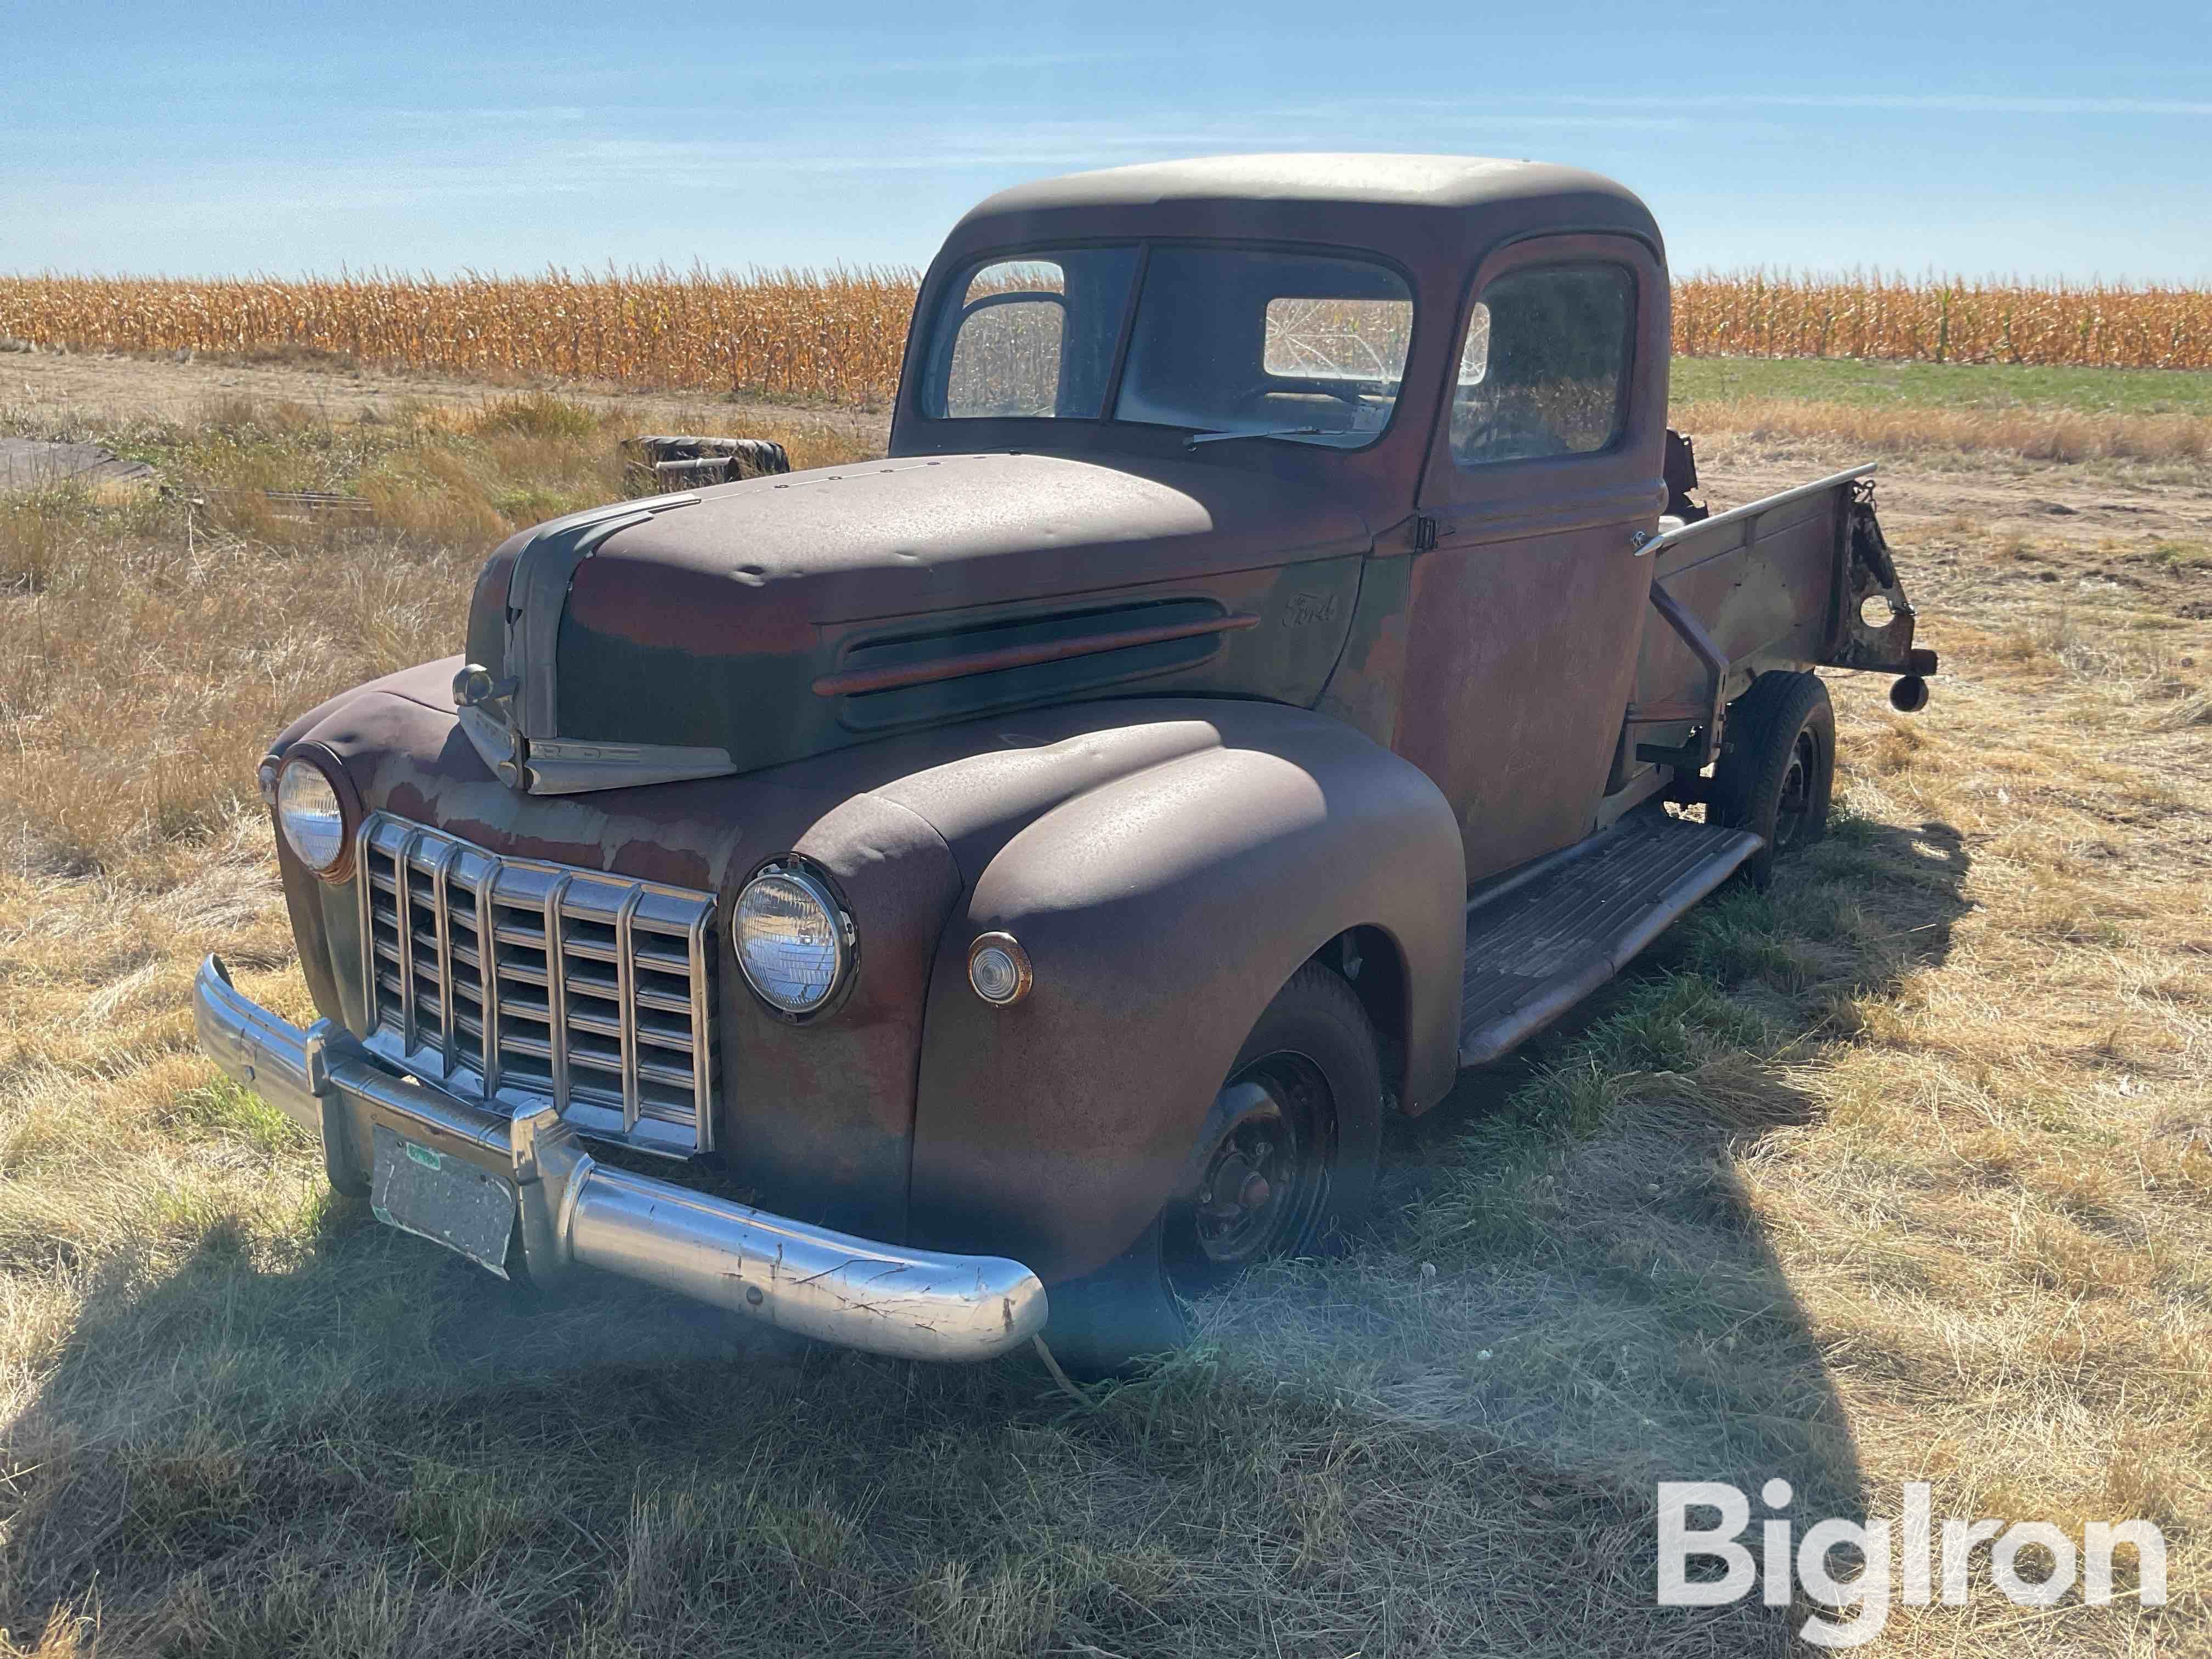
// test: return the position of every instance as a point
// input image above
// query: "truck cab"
(1274, 666)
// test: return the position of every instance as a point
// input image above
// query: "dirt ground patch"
(53, 382)
(2098, 508)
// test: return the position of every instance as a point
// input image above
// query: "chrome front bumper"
(916, 1305)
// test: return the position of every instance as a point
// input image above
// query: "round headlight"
(313, 818)
(793, 941)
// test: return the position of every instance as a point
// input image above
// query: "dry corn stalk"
(836, 335)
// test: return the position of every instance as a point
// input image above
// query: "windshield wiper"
(1197, 438)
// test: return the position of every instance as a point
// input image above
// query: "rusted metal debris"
(35, 463)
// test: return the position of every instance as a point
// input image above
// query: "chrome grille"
(517, 978)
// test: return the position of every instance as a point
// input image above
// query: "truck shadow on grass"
(1444, 1439)
(1573, 1269)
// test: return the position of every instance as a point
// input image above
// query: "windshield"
(1225, 342)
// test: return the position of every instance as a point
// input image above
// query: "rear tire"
(1777, 767)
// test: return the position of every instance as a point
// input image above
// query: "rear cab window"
(1543, 367)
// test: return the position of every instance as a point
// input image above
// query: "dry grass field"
(1902, 1171)
(835, 336)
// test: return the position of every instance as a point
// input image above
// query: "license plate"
(441, 1198)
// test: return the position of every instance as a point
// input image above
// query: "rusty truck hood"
(762, 621)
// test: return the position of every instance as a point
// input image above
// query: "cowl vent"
(947, 673)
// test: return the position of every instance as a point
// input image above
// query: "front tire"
(1286, 1158)
(1301, 1117)
(1777, 767)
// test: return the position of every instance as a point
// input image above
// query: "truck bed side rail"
(1801, 579)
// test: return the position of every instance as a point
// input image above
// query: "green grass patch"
(460, 1516)
(1943, 385)
(243, 444)
(2182, 556)
(1671, 1023)
(223, 1108)
(1691, 1037)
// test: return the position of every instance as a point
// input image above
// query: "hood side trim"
(538, 591)
(561, 766)
(517, 732)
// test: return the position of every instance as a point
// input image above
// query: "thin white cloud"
(1959, 103)
(569, 162)
(785, 71)
(977, 62)
(496, 118)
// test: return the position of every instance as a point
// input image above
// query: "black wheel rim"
(1266, 1177)
(1794, 804)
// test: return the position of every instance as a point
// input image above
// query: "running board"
(1546, 936)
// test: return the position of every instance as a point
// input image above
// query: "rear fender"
(1161, 911)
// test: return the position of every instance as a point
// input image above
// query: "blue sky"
(1957, 135)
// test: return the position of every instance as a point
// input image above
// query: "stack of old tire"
(657, 465)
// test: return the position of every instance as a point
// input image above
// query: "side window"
(1544, 368)
(1006, 355)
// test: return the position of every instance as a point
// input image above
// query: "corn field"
(836, 336)
(1943, 319)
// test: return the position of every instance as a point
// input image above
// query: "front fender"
(1162, 909)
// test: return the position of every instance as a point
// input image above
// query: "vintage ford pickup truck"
(1262, 680)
